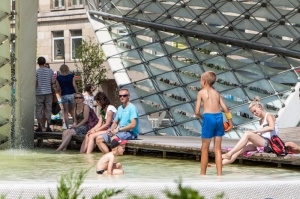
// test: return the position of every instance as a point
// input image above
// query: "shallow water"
(46, 164)
(38, 171)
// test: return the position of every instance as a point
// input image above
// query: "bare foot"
(211, 165)
(226, 156)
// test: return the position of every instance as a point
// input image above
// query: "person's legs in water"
(204, 155)
(218, 154)
(66, 138)
(90, 144)
(101, 143)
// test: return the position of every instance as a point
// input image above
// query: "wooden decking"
(191, 145)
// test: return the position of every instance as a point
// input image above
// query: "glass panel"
(183, 112)
(59, 3)
(234, 97)
(76, 43)
(287, 78)
(76, 2)
(260, 88)
(192, 128)
(59, 50)
(175, 97)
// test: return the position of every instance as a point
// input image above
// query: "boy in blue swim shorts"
(212, 120)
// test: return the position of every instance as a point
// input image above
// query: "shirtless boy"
(212, 120)
(107, 163)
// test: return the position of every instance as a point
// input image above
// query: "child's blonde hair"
(210, 77)
(256, 101)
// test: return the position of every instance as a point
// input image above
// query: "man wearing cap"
(44, 80)
(125, 125)
(107, 163)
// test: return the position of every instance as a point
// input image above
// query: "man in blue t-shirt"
(125, 125)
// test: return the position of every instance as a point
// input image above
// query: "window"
(58, 45)
(76, 41)
(76, 2)
(58, 3)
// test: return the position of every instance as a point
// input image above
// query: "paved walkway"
(191, 145)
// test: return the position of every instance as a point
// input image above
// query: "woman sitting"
(79, 127)
(103, 125)
(257, 138)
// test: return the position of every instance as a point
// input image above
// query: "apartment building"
(62, 25)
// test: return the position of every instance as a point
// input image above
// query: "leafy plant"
(89, 64)
(70, 188)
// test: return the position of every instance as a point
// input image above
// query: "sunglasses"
(123, 95)
(78, 97)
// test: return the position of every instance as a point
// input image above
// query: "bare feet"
(226, 156)
(211, 165)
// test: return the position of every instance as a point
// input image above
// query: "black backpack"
(277, 146)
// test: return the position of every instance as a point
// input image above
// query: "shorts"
(100, 172)
(212, 125)
(125, 135)
(43, 106)
(57, 122)
(67, 99)
(81, 130)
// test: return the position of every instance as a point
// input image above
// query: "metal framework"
(161, 48)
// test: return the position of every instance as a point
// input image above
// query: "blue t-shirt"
(124, 117)
(66, 84)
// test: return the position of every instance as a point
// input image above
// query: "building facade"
(62, 25)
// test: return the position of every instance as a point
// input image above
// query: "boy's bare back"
(210, 99)
(105, 161)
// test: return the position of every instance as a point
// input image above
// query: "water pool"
(37, 171)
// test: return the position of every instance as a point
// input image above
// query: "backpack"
(277, 146)
(93, 119)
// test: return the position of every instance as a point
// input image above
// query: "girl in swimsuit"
(256, 138)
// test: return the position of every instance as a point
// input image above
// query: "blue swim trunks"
(212, 125)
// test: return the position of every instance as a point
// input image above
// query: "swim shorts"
(100, 172)
(212, 125)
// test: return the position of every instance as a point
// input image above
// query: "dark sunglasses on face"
(78, 97)
(123, 95)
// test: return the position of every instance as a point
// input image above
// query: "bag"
(55, 108)
(93, 119)
(277, 146)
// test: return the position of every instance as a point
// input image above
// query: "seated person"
(256, 138)
(79, 127)
(105, 121)
(125, 125)
(107, 163)
(293, 147)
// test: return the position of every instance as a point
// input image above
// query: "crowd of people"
(117, 126)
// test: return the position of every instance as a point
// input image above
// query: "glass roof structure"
(159, 49)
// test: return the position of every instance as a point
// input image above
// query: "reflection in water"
(47, 165)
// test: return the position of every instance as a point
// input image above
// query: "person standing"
(125, 125)
(44, 80)
(212, 120)
(67, 84)
(88, 95)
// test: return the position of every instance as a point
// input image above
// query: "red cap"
(116, 142)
